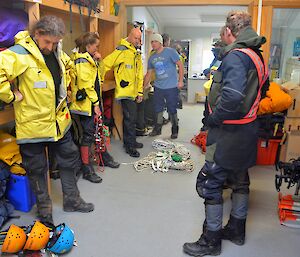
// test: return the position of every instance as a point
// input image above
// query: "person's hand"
(97, 110)
(18, 95)
(97, 56)
(180, 84)
(139, 99)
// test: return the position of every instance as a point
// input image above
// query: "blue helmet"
(62, 239)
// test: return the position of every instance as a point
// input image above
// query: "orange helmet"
(14, 240)
(38, 237)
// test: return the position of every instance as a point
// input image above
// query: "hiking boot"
(108, 161)
(90, 174)
(46, 219)
(234, 231)
(156, 131)
(138, 145)
(174, 134)
(78, 206)
(209, 244)
(132, 151)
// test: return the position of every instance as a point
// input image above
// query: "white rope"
(162, 160)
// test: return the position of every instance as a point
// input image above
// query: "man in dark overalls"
(232, 135)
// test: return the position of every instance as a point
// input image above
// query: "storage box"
(267, 151)
(200, 97)
(291, 147)
(291, 123)
(293, 90)
(19, 193)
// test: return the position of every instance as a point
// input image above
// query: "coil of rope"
(170, 155)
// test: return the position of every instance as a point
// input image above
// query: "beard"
(46, 51)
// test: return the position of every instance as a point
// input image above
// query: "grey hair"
(50, 25)
(238, 20)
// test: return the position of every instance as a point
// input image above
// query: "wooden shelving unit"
(6, 116)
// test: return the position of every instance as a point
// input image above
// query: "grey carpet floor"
(152, 214)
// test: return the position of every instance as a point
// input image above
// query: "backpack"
(6, 209)
(12, 21)
(92, 5)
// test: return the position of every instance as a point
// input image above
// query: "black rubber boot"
(175, 128)
(108, 161)
(156, 130)
(132, 151)
(209, 244)
(174, 134)
(90, 174)
(78, 205)
(235, 230)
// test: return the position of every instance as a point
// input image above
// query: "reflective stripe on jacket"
(38, 119)
(128, 70)
(86, 71)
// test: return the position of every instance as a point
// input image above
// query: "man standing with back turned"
(232, 135)
(41, 70)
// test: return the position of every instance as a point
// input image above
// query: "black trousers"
(212, 177)
(140, 118)
(129, 122)
(88, 130)
(35, 163)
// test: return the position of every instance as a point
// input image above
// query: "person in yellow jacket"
(128, 70)
(41, 72)
(86, 100)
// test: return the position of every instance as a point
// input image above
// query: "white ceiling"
(192, 16)
(214, 16)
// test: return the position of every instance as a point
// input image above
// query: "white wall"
(201, 44)
(141, 14)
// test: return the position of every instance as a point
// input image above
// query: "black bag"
(81, 95)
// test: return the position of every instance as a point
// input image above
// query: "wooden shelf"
(6, 116)
(65, 7)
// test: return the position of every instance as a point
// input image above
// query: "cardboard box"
(291, 124)
(293, 90)
(291, 147)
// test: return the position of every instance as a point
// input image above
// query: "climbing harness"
(170, 155)
(92, 5)
(102, 141)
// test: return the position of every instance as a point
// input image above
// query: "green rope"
(176, 158)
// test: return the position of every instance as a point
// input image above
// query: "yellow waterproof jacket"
(86, 71)
(37, 117)
(128, 70)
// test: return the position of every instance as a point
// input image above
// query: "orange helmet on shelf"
(38, 237)
(14, 240)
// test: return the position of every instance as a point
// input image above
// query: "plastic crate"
(267, 151)
(19, 193)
